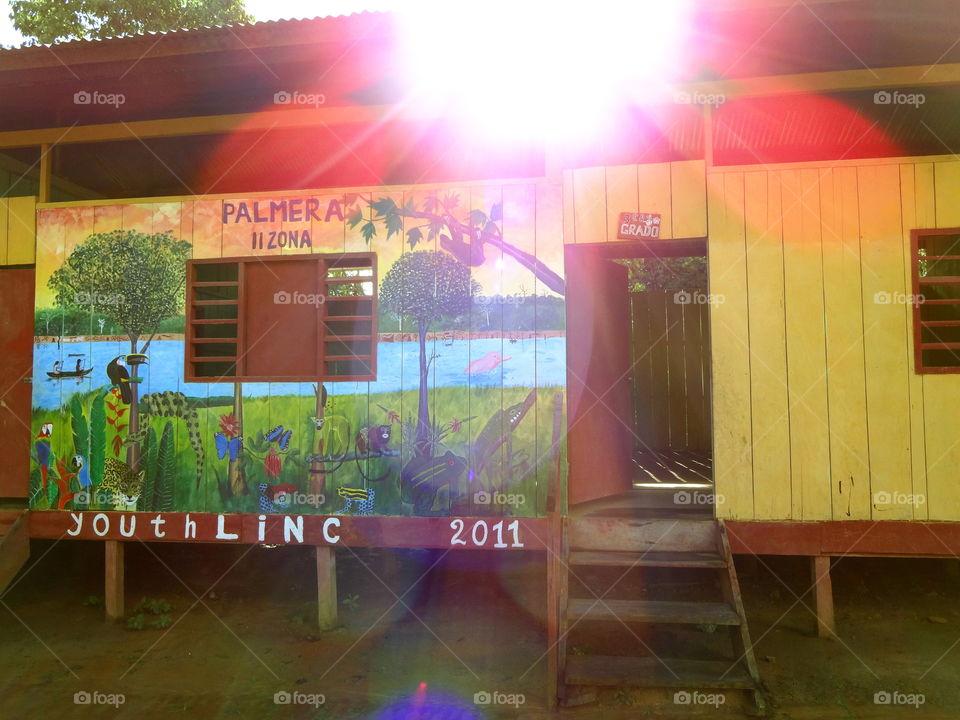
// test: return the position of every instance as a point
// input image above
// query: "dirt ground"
(423, 632)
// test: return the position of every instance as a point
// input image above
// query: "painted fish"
(487, 363)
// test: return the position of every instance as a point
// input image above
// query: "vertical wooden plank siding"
(925, 217)
(768, 349)
(676, 382)
(622, 195)
(21, 230)
(653, 186)
(688, 196)
(806, 346)
(918, 470)
(595, 197)
(695, 351)
(846, 391)
(659, 369)
(885, 336)
(4, 215)
(569, 204)
(729, 329)
(589, 192)
(942, 392)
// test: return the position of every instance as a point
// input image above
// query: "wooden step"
(651, 672)
(637, 535)
(14, 549)
(653, 611)
(647, 559)
(7, 519)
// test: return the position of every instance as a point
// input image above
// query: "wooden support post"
(326, 587)
(113, 588)
(46, 173)
(823, 591)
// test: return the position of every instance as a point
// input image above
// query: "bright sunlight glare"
(517, 70)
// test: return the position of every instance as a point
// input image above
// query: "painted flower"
(229, 425)
(455, 425)
(271, 464)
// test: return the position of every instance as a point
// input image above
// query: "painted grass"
(531, 446)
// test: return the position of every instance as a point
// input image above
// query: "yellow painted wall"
(817, 411)
(18, 230)
(595, 197)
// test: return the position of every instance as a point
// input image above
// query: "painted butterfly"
(224, 446)
(282, 438)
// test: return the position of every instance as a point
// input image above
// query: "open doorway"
(638, 358)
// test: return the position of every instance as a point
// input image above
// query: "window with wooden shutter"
(935, 257)
(291, 318)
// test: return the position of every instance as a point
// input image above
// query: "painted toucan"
(119, 376)
(42, 446)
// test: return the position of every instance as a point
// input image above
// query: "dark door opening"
(638, 358)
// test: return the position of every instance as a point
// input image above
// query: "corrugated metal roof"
(264, 30)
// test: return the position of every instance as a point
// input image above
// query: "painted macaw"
(42, 447)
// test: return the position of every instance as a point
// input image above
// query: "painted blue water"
(531, 363)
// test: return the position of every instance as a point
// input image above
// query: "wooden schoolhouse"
(252, 294)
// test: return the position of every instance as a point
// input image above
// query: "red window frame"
(918, 301)
(332, 316)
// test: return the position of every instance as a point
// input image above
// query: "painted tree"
(424, 286)
(48, 21)
(138, 280)
(465, 241)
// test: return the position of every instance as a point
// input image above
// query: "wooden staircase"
(14, 544)
(665, 548)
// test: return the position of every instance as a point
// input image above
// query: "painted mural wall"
(109, 356)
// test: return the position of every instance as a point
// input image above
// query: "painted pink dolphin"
(487, 363)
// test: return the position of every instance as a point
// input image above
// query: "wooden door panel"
(16, 363)
(600, 433)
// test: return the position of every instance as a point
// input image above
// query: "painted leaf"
(496, 212)
(431, 204)
(384, 207)
(414, 235)
(451, 201)
(394, 225)
(369, 231)
(354, 218)
(98, 436)
(81, 430)
(478, 217)
(166, 471)
(148, 462)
